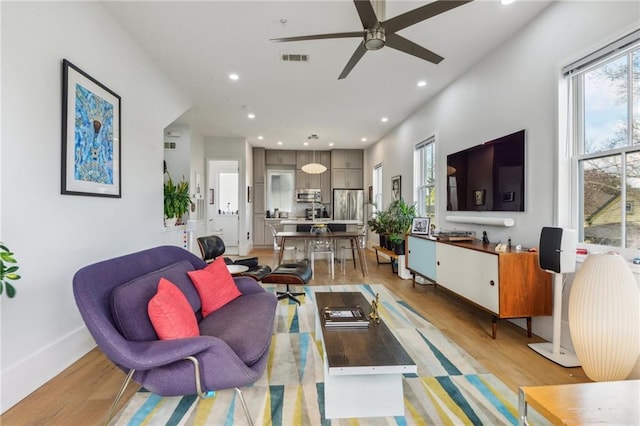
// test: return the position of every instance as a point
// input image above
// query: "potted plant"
(176, 200)
(380, 225)
(7, 273)
(401, 217)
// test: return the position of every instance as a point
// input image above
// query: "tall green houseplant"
(8, 271)
(401, 217)
(176, 199)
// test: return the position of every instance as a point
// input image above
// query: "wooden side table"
(583, 403)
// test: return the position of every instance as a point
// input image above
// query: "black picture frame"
(91, 136)
(421, 226)
(478, 197)
(396, 188)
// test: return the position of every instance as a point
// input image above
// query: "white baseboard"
(24, 377)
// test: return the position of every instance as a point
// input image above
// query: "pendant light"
(314, 168)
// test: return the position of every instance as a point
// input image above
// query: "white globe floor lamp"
(557, 254)
(604, 317)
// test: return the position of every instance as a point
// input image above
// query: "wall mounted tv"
(488, 177)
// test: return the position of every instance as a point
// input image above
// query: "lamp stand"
(553, 350)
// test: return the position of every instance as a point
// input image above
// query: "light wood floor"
(82, 394)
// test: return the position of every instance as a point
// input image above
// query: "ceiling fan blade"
(366, 13)
(402, 44)
(320, 36)
(357, 55)
(420, 14)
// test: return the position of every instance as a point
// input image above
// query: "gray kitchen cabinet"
(280, 157)
(258, 165)
(347, 178)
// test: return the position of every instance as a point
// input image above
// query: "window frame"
(421, 172)
(376, 184)
(574, 84)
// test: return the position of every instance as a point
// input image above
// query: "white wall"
(54, 235)
(515, 87)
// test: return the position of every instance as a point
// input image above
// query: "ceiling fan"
(378, 34)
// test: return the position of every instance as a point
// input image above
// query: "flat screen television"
(489, 176)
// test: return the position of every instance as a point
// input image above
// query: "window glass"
(633, 198)
(602, 201)
(606, 106)
(377, 188)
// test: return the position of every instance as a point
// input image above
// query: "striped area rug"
(450, 388)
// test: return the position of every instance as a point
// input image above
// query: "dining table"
(338, 235)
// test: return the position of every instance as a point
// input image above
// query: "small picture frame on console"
(478, 197)
(420, 225)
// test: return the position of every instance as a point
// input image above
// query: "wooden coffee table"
(363, 368)
(614, 403)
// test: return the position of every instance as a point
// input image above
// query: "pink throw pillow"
(171, 314)
(215, 286)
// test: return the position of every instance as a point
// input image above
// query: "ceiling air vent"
(294, 57)
(169, 145)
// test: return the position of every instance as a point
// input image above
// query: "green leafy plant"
(8, 273)
(176, 198)
(401, 217)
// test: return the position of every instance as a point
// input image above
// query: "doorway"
(223, 203)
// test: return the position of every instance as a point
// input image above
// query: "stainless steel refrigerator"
(348, 204)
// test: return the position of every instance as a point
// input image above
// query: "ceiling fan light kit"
(375, 39)
(378, 34)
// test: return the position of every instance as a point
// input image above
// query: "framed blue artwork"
(91, 160)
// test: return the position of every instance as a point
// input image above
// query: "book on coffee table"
(345, 317)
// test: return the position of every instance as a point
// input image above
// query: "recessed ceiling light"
(384, 119)
(422, 83)
(251, 115)
(363, 139)
(306, 144)
(260, 137)
(506, 1)
(234, 76)
(279, 142)
(330, 143)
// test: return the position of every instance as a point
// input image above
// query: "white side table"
(237, 269)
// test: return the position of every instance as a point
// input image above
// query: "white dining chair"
(362, 243)
(287, 249)
(319, 245)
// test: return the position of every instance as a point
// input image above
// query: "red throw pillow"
(171, 314)
(215, 286)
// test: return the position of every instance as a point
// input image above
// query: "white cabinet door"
(471, 274)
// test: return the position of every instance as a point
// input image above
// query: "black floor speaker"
(557, 249)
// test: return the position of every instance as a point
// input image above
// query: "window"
(424, 178)
(377, 188)
(605, 123)
(280, 190)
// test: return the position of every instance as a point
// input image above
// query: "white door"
(223, 203)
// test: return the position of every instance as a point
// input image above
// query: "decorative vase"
(604, 317)
(398, 248)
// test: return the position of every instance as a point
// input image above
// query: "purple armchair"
(231, 351)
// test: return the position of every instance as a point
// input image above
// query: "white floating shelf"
(482, 220)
